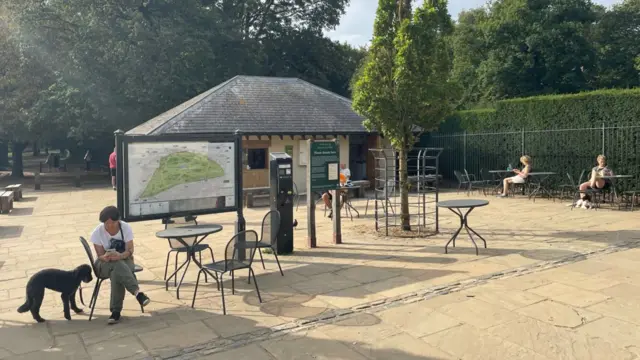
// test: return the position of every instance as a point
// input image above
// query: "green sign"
(289, 150)
(324, 167)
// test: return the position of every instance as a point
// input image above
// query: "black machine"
(281, 197)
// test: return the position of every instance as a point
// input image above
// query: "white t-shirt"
(346, 172)
(100, 236)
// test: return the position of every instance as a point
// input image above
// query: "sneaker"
(114, 318)
(501, 196)
(114, 188)
(142, 299)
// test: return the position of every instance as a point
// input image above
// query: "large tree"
(121, 62)
(617, 39)
(403, 85)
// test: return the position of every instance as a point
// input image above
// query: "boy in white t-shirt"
(113, 242)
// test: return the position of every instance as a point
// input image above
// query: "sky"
(356, 24)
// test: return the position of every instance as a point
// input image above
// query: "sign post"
(323, 174)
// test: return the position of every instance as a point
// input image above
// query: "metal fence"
(559, 150)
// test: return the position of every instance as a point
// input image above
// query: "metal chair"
(99, 280)
(179, 248)
(391, 186)
(296, 196)
(593, 193)
(232, 263)
(268, 235)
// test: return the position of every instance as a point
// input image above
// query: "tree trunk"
(4, 154)
(35, 148)
(17, 170)
(405, 217)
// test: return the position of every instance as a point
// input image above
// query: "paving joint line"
(335, 315)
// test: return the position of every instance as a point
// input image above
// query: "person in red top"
(112, 168)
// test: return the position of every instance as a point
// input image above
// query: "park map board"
(185, 177)
(324, 165)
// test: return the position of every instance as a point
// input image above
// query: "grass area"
(181, 168)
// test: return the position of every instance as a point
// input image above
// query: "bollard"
(37, 181)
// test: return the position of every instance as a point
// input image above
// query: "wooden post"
(337, 231)
(37, 180)
(311, 204)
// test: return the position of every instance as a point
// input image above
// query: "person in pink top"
(112, 168)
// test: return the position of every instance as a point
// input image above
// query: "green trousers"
(122, 278)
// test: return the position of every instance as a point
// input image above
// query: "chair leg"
(175, 268)
(195, 291)
(366, 208)
(261, 259)
(233, 285)
(94, 297)
(166, 266)
(224, 309)
(278, 262)
(200, 260)
(256, 284)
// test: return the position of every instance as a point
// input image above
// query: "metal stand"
(465, 225)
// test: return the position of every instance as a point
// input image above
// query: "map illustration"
(181, 168)
(171, 177)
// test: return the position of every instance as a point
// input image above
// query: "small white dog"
(584, 203)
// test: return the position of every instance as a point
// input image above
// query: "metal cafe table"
(200, 232)
(456, 207)
(540, 184)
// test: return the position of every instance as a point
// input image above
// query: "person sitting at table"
(345, 175)
(519, 178)
(595, 182)
(113, 242)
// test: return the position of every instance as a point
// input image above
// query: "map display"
(179, 177)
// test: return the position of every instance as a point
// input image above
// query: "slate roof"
(259, 106)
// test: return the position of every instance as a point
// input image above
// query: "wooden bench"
(16, 189)
(253, 193)
(6, 202)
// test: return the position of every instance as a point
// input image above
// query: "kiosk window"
(257, 158)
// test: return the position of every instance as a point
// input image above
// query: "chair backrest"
(87, 249)
(235, 245)
(580, 178)
(458, 176)
(571, 182)
(486, 175)
(270, 227)
(177, 222)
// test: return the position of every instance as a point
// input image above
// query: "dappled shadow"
(11, 231)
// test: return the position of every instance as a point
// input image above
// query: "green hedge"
(583, 110)
(558, 151)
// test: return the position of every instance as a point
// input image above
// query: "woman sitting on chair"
(596, 182)
(519, 178)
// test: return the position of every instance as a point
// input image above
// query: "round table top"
(463, 203)
(189, 231)
(541, 173)
(499, 171)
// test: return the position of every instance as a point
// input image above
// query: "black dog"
(65, 282)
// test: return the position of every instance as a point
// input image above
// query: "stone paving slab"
(457, 293)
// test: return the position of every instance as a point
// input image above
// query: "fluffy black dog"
(65, 282)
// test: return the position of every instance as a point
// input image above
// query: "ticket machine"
(281, 198)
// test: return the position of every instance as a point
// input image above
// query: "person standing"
(112, 168)
(87, 160)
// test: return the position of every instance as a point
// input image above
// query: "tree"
(470, 50)
(404, 84)
(616, 37)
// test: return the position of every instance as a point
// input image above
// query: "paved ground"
(553, 284)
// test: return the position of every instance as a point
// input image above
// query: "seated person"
(595, 181)
(113, 241)
(519, 178)
(345, 174)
